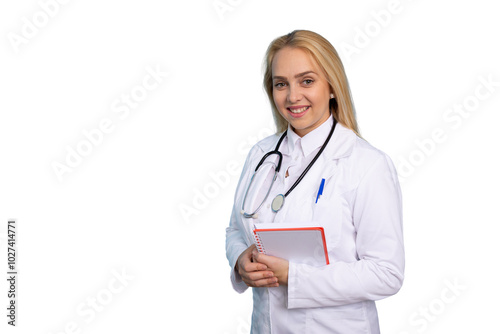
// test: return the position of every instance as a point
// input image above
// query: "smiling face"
(301, 92)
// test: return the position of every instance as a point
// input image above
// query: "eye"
(279, 84)
(308, 81)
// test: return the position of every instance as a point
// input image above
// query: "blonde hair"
(325, 55)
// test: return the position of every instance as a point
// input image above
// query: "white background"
(121, 208)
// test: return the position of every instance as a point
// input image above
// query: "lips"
(298, 111)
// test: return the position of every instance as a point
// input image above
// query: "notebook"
(295, 243)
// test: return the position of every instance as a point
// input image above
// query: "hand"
(277, 265)
(252, 273)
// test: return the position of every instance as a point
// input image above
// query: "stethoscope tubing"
(277, 169)
(253, 215)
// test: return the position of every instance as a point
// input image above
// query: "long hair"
(325, 55)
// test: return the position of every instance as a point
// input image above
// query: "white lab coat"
(361, 213)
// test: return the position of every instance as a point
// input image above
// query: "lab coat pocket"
(327, 212)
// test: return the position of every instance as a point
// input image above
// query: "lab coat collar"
(310, 141)
(339, 146)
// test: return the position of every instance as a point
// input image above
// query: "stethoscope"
(279, 200)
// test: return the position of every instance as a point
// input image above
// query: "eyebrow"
(296, 76)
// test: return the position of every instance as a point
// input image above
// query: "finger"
(255, 253)
(261, 258)
(261, 283)
(253, 266)
(251, 277)
(274, 285)
(258, 257)
(258, 275)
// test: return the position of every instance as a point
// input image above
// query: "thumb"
(259, 257)
(255, 254)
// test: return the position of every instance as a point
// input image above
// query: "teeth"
(298, 111)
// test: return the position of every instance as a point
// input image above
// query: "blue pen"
(320, 191)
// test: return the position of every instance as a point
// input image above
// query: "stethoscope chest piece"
(277, 203)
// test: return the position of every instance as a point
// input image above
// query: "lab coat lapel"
(340, 146)
(341, 143)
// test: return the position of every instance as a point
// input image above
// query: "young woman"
(359, 209)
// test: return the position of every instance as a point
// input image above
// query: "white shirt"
(360, 210)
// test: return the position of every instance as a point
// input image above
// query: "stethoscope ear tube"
(276, 151)
(276, 170)
(265, 157)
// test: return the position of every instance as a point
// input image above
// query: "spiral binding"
(258, 243)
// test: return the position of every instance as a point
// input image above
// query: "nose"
(294, 94)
